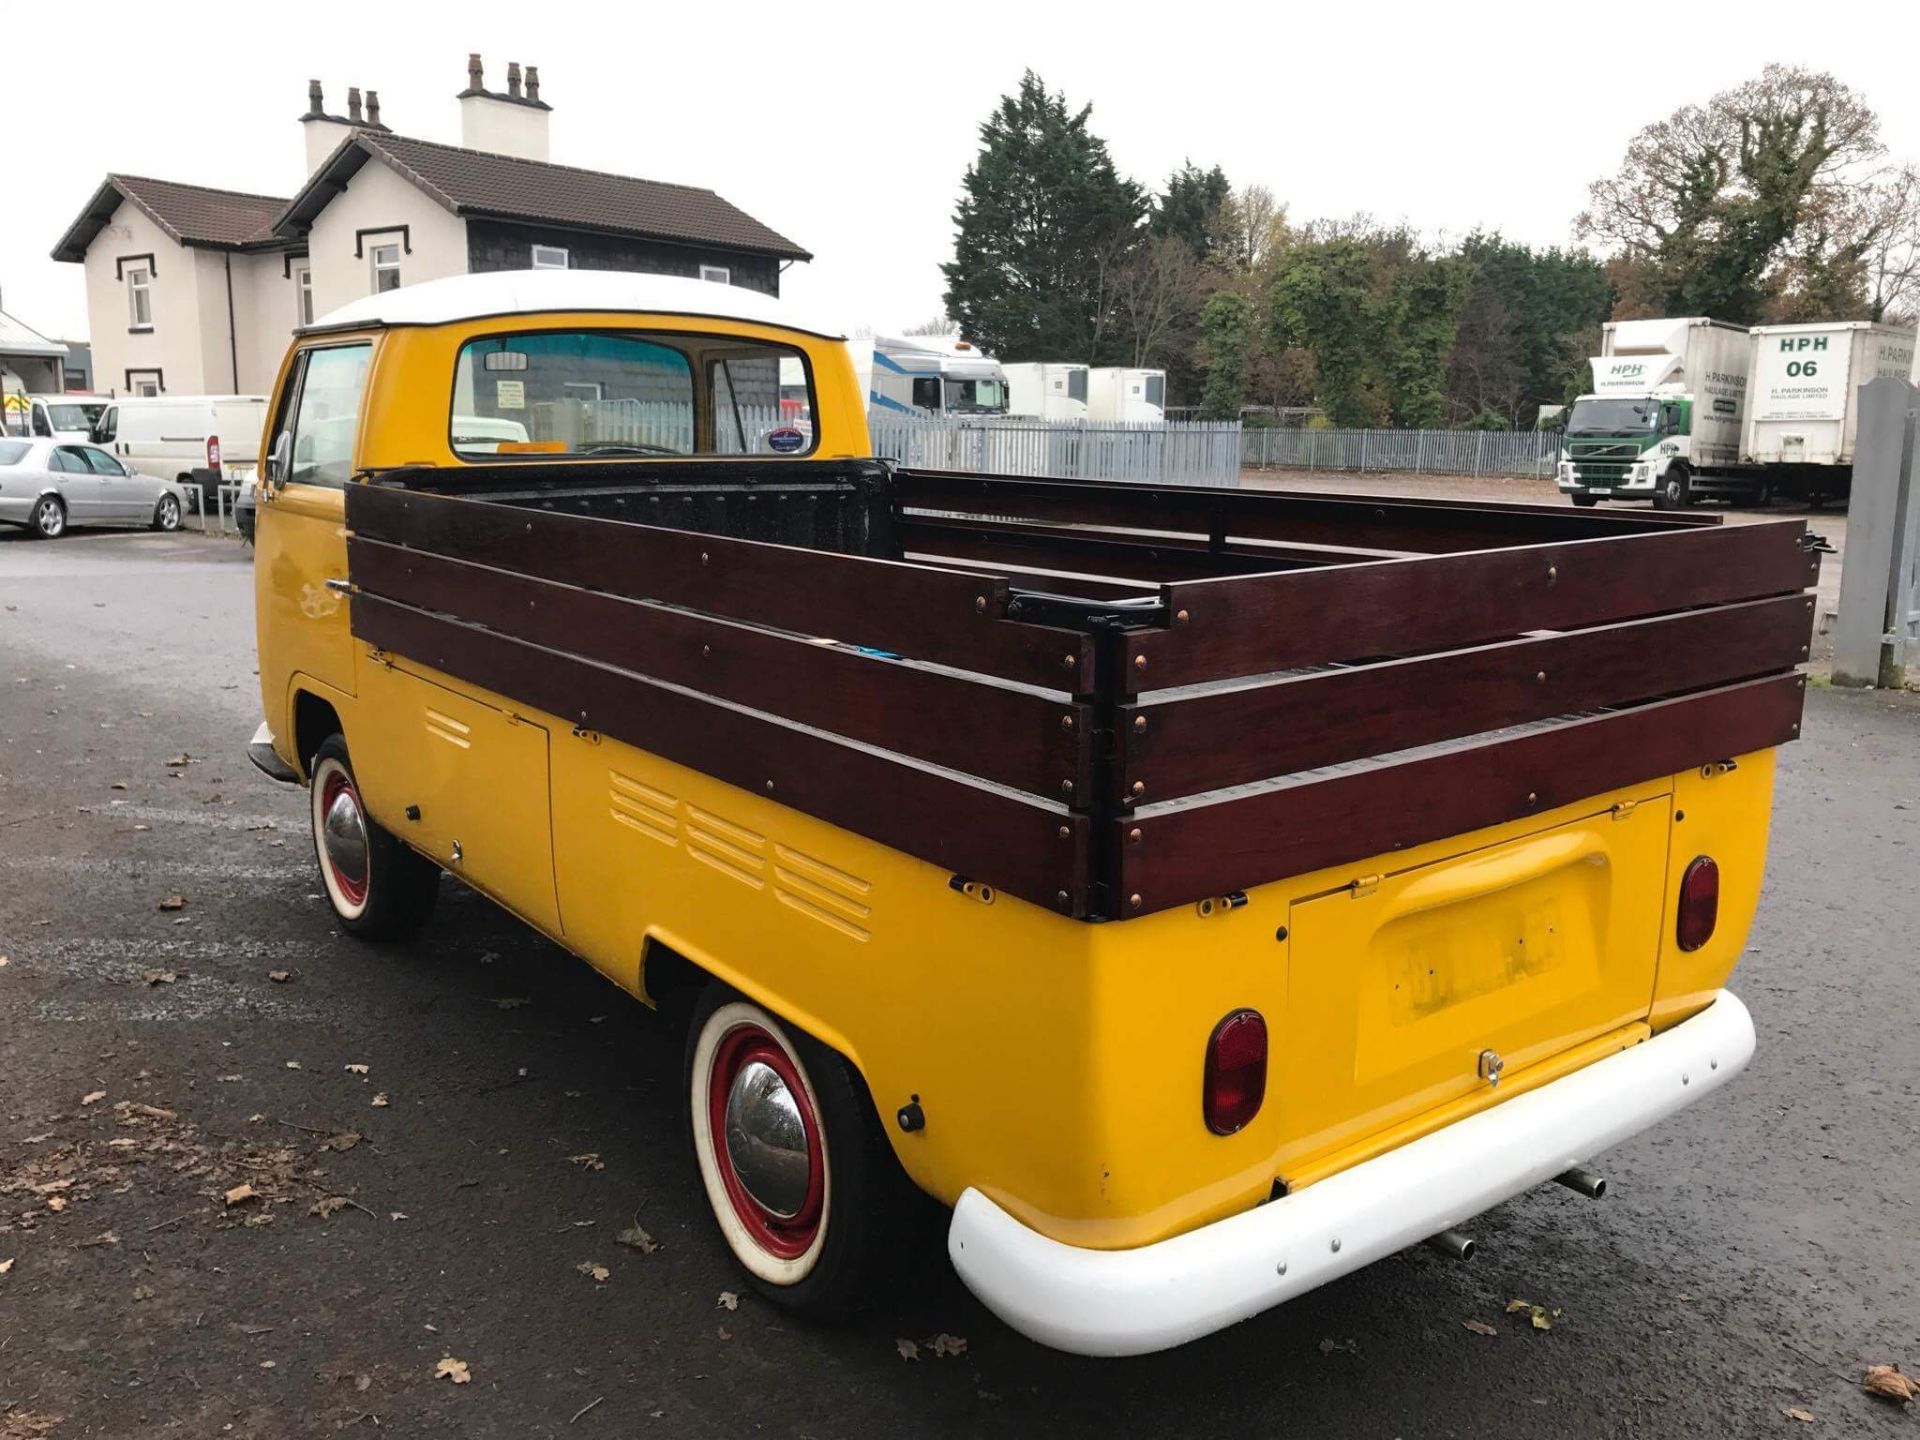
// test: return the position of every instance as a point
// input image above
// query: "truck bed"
(1105, 698)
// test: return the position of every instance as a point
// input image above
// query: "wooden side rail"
(1189, 742)
(949, 616)
(1190, 850)
(1006, 734)
(1024, 846)
(1251, 625)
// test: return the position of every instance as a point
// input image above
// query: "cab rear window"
(618, 393)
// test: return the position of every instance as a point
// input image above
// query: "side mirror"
(280, 462)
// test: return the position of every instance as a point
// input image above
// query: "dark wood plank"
(1257, 624)
(1198, 848)
(1195, 742)
(1011, 736)
(1022, 846)
(1145, 561)
(1366, 522)
(947, 616)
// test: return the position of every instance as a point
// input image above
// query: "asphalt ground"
(1755, 1253)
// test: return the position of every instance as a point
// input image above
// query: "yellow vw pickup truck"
(1202, 892)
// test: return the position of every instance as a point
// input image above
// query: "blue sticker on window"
(786, 440)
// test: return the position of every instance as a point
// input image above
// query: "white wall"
(502, 127)
(265, 300)
(174, 345)
(378, 197)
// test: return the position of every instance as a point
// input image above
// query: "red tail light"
(1236, 1076)
(213, 453)
(1699, 903)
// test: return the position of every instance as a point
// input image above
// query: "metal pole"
(1873, 606)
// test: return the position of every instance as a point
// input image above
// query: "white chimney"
(324, 132)
(511, 124)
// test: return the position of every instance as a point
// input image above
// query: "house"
(197, 290)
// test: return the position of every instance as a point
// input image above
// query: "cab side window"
(108, 425)
(41, 425)
(926, 392)
(324, 415)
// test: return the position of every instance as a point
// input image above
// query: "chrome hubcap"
(767, 1140)
(344, 832)
(49, 518)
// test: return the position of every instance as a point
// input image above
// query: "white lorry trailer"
(1048, 390)
(1804, 409)
(1663, 420)
(1117, 395)
(929, 375)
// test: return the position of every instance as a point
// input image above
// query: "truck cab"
(936, 375)
(1203, 893)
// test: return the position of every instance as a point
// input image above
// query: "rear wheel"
(380, 889)
(802, 1183)
(49, 520)
(166, 515)
(1676, 489)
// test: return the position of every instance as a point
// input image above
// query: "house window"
(549, 257)
(144, 382)
(303, 294)
(386, 268)
(719, 274)
(139, 297)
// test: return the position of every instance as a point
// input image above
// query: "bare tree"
(1252, 226)
(938, 325)
(1155, 290)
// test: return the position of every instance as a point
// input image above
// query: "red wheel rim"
(353, 888)
(781, 1237)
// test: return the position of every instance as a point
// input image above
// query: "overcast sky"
(848, 127)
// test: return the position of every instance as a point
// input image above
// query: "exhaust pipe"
(1593, 1186)
(1453, 1245)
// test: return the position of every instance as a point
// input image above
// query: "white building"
(195, 290)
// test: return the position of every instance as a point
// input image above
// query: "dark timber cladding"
(1226, 688)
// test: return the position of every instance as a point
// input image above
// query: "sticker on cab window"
(786, 440)
(510, 394)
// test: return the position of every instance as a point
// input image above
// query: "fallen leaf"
(5, 1265)
(174, 902)
(345, 1140)
(181, 759)
(1480, 1327)
(908, 1350)
(589, 1161)
(93, 1097)
(380, 1101)
(105, 1237)
(944, 1344)
(150, 1112)
(118, 785)
(328, 1205)
(293, 1064)
(598, 1272)
(254, 1222)
(363, 1382)
(454, 1370)
(231, 1079)
(356, 1069)
(57, 1204)
(1540, 1319)
(514, 1002)
(159, 977)
(396, 1215)
(634, 1238)
(725, 1333)
(1794, 1412)
(728, 1300)
(238, 1194)
(1514, 1307)
(268, 1364)
(143, 1292)
(279, 977)
(1888, 1383)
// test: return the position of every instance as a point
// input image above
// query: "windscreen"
(614, 393)
(977, 397)
(1613, 417)
(75, 417)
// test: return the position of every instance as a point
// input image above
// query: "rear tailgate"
(1399, 984)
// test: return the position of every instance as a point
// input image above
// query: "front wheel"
(379, 889)
(166, 515)
(1676, 489)
(49, 521)
(801, 1181)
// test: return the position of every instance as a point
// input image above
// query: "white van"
(175, 436)
(67, 418)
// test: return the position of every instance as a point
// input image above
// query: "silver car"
(47, 485)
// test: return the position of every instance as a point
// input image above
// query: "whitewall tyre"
(379, 889)
(803, 1186)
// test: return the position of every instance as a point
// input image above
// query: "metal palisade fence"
(1431, 452)
(1183, 452)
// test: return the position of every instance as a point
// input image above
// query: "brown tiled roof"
(475, 182)
(190, 214)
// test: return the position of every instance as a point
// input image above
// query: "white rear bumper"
(1129, 1302)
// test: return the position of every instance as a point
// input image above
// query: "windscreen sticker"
(510, 394)
(786, 440)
